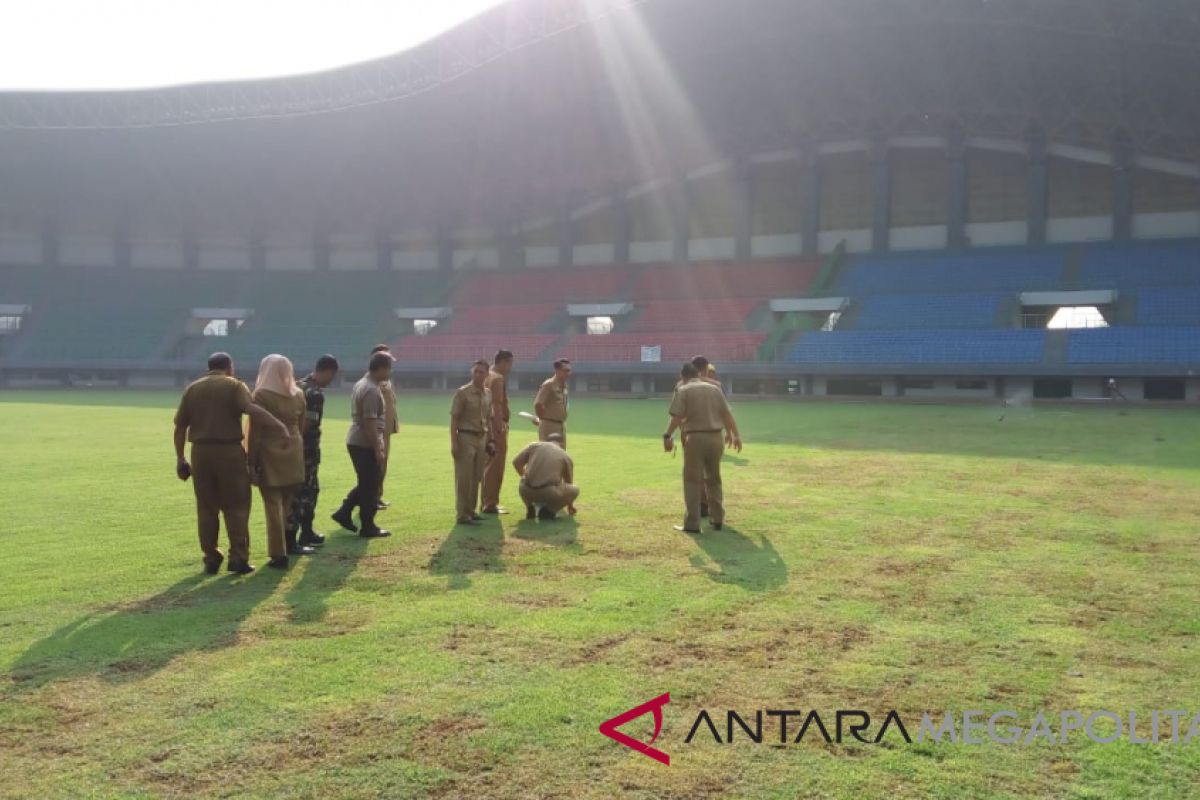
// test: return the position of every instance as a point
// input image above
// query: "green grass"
(877, 557)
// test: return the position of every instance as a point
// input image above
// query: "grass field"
(876, 557)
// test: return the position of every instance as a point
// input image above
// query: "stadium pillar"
(956, 190)
(1039, 188)
(1122, 188)
(621, 226)
(881, 205)
(810, 225)
(677, 197)
(743, 182)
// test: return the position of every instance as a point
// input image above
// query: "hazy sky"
(106, 44)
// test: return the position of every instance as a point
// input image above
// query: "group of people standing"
(282, 450)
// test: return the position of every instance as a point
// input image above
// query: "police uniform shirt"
(212, 407)
(700, 405)
(554, 400)
(471, 408)
(497, 384)
(366, 414)
(546, 464)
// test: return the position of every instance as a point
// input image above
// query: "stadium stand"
(1135, 345)
(576, 285)
(1011, 270)
(489, 319)
(757, 280)
(1177, 306)
(1141, 264)
(697, 315)
(676, 347)
(950, 346)
(67, 334)
(465, 348)
(933, 310)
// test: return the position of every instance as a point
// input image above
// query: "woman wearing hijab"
(277, 462)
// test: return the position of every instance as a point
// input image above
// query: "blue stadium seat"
(941, 310)
(1020, 270)
(1141, 264)
(1176, 345)
(947, 346)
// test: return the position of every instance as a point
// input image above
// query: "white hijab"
(275, 375)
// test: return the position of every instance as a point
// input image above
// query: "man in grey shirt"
(365, 441)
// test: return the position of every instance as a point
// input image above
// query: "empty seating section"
(1135, 345)
(1141, 264)
(277, 332)
(1012, 271)
(571, 285)
(758, 280)
(940, 310)
(71, 333)
(1180, 306)
(465, 348)
(689, 315)
(920, 347)
(500, 319)
(676, 347)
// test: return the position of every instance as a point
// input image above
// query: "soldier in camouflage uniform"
(299, 530)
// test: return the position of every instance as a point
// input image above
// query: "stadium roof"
(541, 102)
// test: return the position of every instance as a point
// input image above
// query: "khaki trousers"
(493, 473)
(277, 502)
(553, 498)
(387, 455)
(468, 472)
(702, 473)
(548, 427)
(222, 485)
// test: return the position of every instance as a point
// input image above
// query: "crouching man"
(546, 474)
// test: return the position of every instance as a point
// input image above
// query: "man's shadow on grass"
(739, 560)
(325, 572)
(467, 549)
(561, 532)
(131, 641)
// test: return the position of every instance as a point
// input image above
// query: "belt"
(555, 421)
(471, 433)
(711, 430)
(543, 486)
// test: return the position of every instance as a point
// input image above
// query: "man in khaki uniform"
(700, 410)
(470, 442)
(493, 473)
(210, 417)
(546, 474)
(551, 403)
(708, 374)
(391, 422)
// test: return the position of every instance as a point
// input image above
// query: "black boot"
(530, 512)
(546, 513)
(342, 517)
(310, 537)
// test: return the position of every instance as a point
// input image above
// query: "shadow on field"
(324, 573)
(560, 532)
(131, 641)
(467, 549)
(740, 561)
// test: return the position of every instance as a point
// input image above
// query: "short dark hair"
(503, 355)
(481, 363)
(700, 363)
(380, 348)
(688, 370)
(380, 360)
(220, 361)
(326, 363)
(562, 362)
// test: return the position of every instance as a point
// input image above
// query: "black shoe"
(383, 504)
(240, 567)
(530, 512)
(377, 533)
(295, 549)
(546, 513)
(466, 522)
(342, 517)
(685, 530)
(477, 517)
(718, 525)
(279, 563)
(310, 538)
(213, 567)
(495, 510)
(704, 509)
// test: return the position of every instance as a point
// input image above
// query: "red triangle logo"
(609, 728)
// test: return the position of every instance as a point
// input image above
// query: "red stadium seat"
(627, 347)
(465, 348)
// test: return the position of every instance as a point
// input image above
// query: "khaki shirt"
(546, 464)
(281, 458)
(471, 408)
(497, 384)
(366, 414)
(391, 424)
(700, 405)
(212, 407)
(554, 398)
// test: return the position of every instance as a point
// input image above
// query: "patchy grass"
(876, 557)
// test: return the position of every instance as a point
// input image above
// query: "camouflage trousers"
(304, 499)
